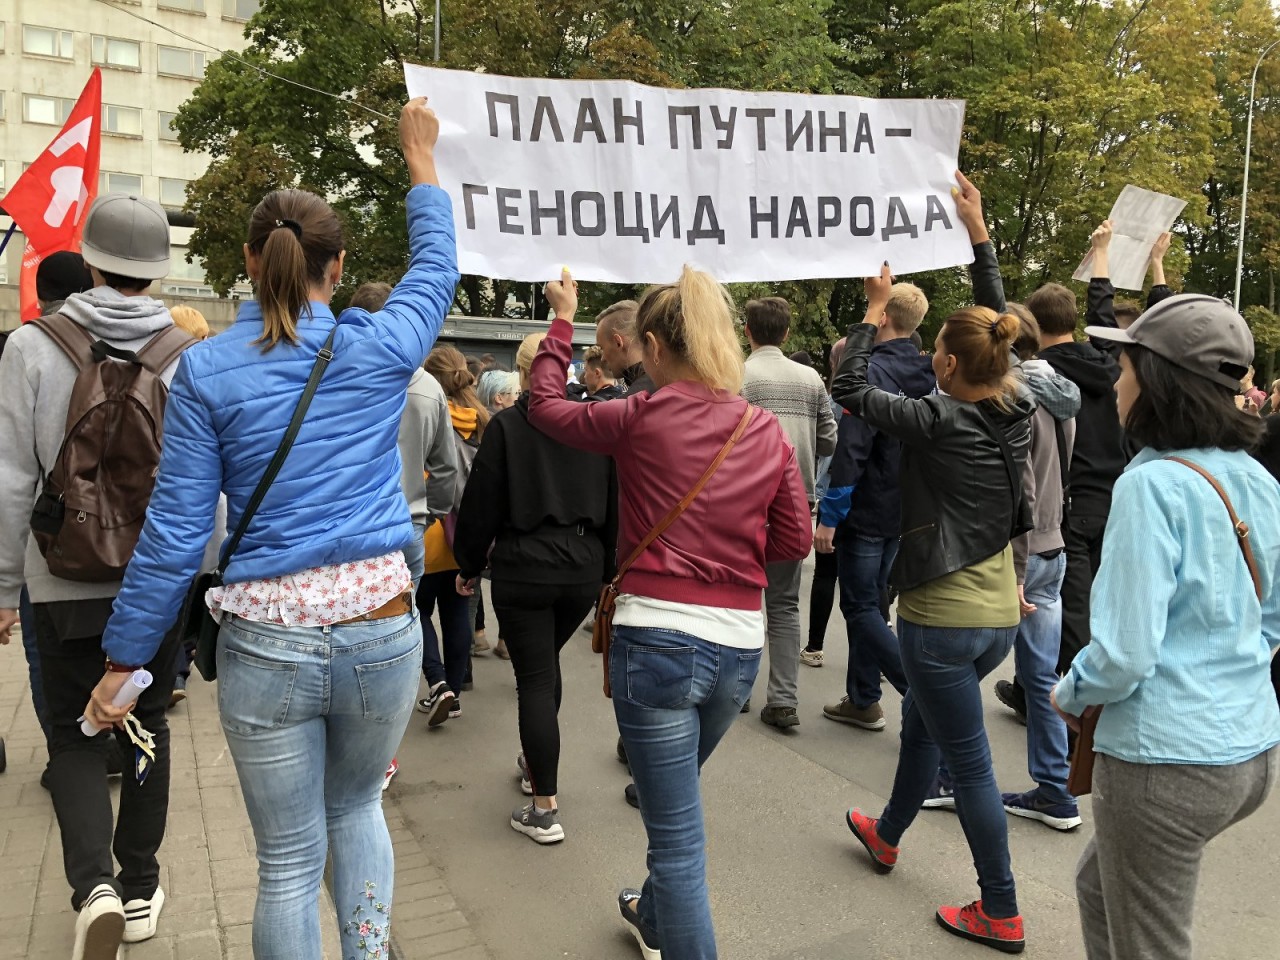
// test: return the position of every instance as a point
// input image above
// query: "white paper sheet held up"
(1137, 219)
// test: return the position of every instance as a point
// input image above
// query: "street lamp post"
(1244, 189)
(436, 25)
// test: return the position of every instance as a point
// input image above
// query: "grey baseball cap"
(1201, 334)
(127, 235)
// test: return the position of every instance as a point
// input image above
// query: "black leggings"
(537, 620)
(822, 596)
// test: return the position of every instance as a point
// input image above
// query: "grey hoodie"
(1057, 402)
(36, 378)
(426, 443)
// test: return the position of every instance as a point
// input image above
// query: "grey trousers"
(782, 613)
(1136, 883)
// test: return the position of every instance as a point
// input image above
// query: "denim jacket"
(1181, 646)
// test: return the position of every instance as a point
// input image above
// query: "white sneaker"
(99, 926)
(141, 917)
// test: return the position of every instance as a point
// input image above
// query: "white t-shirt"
(742, 629)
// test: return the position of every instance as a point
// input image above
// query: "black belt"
(1051, 554)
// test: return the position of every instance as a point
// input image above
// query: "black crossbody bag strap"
(286, 444)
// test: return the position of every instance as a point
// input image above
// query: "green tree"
(349, 152)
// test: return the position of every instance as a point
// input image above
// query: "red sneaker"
(391, 772)
(884, 856)
(972, 923)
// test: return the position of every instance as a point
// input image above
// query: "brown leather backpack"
(93, 502)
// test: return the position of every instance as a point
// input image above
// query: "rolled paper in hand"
(138, 681)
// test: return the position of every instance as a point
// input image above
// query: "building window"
(1, 104)
(3, 182)
(173, 193)
(240, 9)
(47, 42)
(119, 183)
(110, 52)
(53, 110)
(177, 62)
(167, 129)
(179, 269)
(122, 121)
(186, 6)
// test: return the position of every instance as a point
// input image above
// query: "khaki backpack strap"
(1241, 528)
(74, 340)
(661, 526)
(164, 348)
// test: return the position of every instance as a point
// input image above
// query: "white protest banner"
(627, 183)
(1137, 219)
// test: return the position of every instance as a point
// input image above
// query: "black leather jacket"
(958, 503)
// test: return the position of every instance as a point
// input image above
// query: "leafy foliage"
(1067, 101)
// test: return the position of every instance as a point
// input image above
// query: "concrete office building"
(47, 50)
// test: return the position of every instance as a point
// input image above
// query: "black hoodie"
(534, 510)
(1098, 458)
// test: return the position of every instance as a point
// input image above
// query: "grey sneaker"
(780, 717)
(538, 827)
(868, 718)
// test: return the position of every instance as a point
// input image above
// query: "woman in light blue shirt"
(1181, 648)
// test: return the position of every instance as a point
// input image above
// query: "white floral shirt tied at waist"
(317, 597)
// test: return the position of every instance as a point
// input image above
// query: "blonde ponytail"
(694, 318)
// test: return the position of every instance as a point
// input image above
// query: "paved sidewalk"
(207, 865)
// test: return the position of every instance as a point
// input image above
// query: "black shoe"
(1013, 697)
(44, 779)
(622, 753)
(746, 707)
(645, 937)
(632, 796)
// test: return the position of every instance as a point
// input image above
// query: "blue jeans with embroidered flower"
(674, 696)
(313, 716)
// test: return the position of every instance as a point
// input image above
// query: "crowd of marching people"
(1106, 509)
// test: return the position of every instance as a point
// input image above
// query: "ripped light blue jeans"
(313, 716)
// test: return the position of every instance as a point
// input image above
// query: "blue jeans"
(27, 619)
(441, 589)
(674, 696)
(313, 716)
(864, 564)
(415, 554)
(1036, 665)
(942, 720)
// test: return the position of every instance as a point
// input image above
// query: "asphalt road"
(788, 880)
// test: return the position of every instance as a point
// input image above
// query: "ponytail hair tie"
(994, 326)
(292, 225)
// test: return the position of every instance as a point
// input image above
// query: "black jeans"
(822, 596)
(1082, 534)
(537, 620)
(71, 668)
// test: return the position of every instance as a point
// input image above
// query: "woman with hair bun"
(958, 612)
(688, 629)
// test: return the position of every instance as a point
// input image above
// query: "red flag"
(51, 198)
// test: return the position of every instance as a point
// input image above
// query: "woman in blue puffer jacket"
(320, 648)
